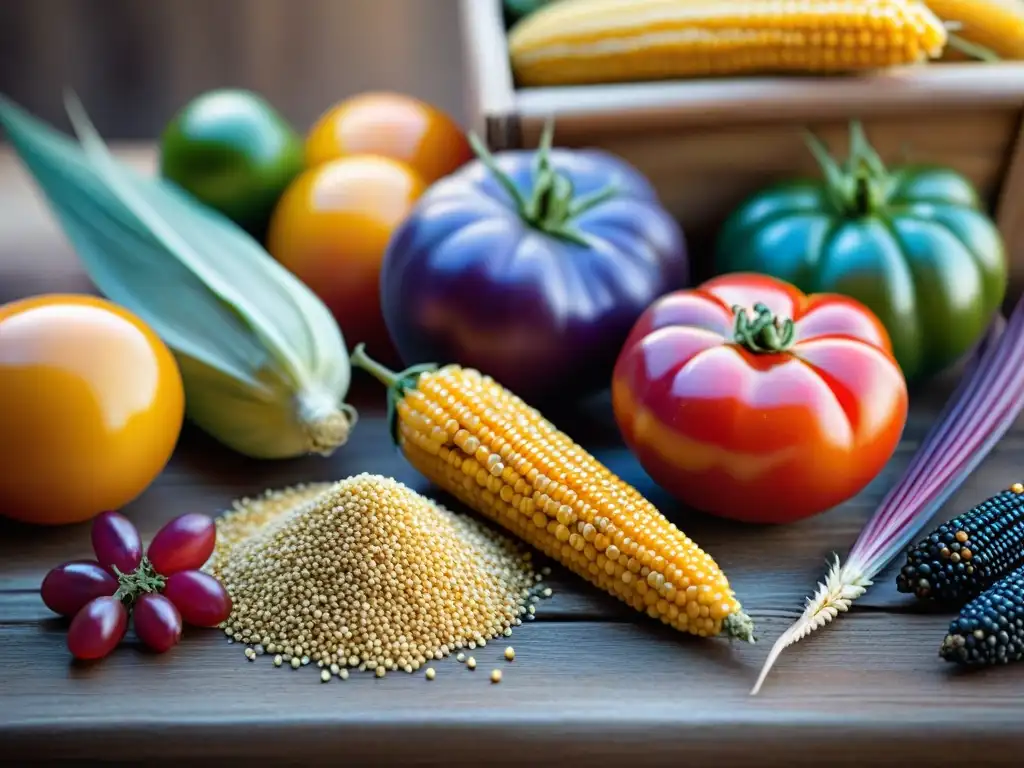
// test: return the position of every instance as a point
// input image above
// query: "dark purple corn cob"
(965, 556)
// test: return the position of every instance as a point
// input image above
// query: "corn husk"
(265, 366)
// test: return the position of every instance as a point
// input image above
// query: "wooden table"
(591, 681)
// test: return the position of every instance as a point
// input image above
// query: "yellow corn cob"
(595, 41)
(486, 447)
(994, 24)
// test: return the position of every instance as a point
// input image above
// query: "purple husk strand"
(983, 407)
(977, 415)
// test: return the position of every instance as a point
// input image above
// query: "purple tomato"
(183, 544)
(200, 598)
(67, 588)
(157, 622)
(97, 628)
(116, 542)
(532, 267)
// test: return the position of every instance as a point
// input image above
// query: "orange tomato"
(331, 229)
(91, 406)
(391, 125)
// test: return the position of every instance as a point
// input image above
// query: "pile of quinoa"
(365, 573)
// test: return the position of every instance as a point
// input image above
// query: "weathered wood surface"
(591, 682)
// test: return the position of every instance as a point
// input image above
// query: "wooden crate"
(706, 145)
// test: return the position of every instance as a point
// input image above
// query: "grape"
(184, 544)
(97, 628)
(116, 542)
(68, 587)
(157, 622)
(201, 599)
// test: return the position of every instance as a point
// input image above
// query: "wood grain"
(591, 681)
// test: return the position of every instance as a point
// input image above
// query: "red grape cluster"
(160, 589)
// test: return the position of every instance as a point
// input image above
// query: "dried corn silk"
(366, 572)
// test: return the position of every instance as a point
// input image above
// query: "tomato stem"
(552, 205)
(135, 583)
(860, 187)
(766, 333)
(397, 383)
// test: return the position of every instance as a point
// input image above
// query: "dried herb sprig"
(983, 407)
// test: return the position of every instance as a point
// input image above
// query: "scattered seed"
(278, 661)
(430, 673)
(507, 632)
(380, 672)
(335, 669)
(496, 676)
(471, 662)
(325, 676)
(510, 653)
(461, 657)
(343, 674)
(295, 662)
(546, 592)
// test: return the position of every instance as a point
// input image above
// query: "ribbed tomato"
(747, 399)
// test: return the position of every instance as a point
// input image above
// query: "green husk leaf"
(240, 324)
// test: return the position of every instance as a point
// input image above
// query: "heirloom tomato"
(531, 266)
(91, 405)
(747, 399)
(331, 229)
(231, 150)
(912, 244)
(390, 125)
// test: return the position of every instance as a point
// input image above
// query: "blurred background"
(135, 62)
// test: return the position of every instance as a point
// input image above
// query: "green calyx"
(862, 186)
(766, 333)
(398, 383)
(553, 205)
(130, 586)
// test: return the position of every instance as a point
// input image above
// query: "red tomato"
(746, 399)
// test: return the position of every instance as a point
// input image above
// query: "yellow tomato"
(331, 229)
(91, 406)
(391, 125)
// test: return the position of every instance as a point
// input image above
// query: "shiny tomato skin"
(391, 125)
(97, 628)
(331, 229)
(157, 622)
(71, 586)
(201, 600)
(116, 542)
(91, 407)
(183, 544)
(759, 437)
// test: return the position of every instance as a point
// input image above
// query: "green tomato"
(912, 244)
(516, 10)
(232, 151)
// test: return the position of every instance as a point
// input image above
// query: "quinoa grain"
(366, 573)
